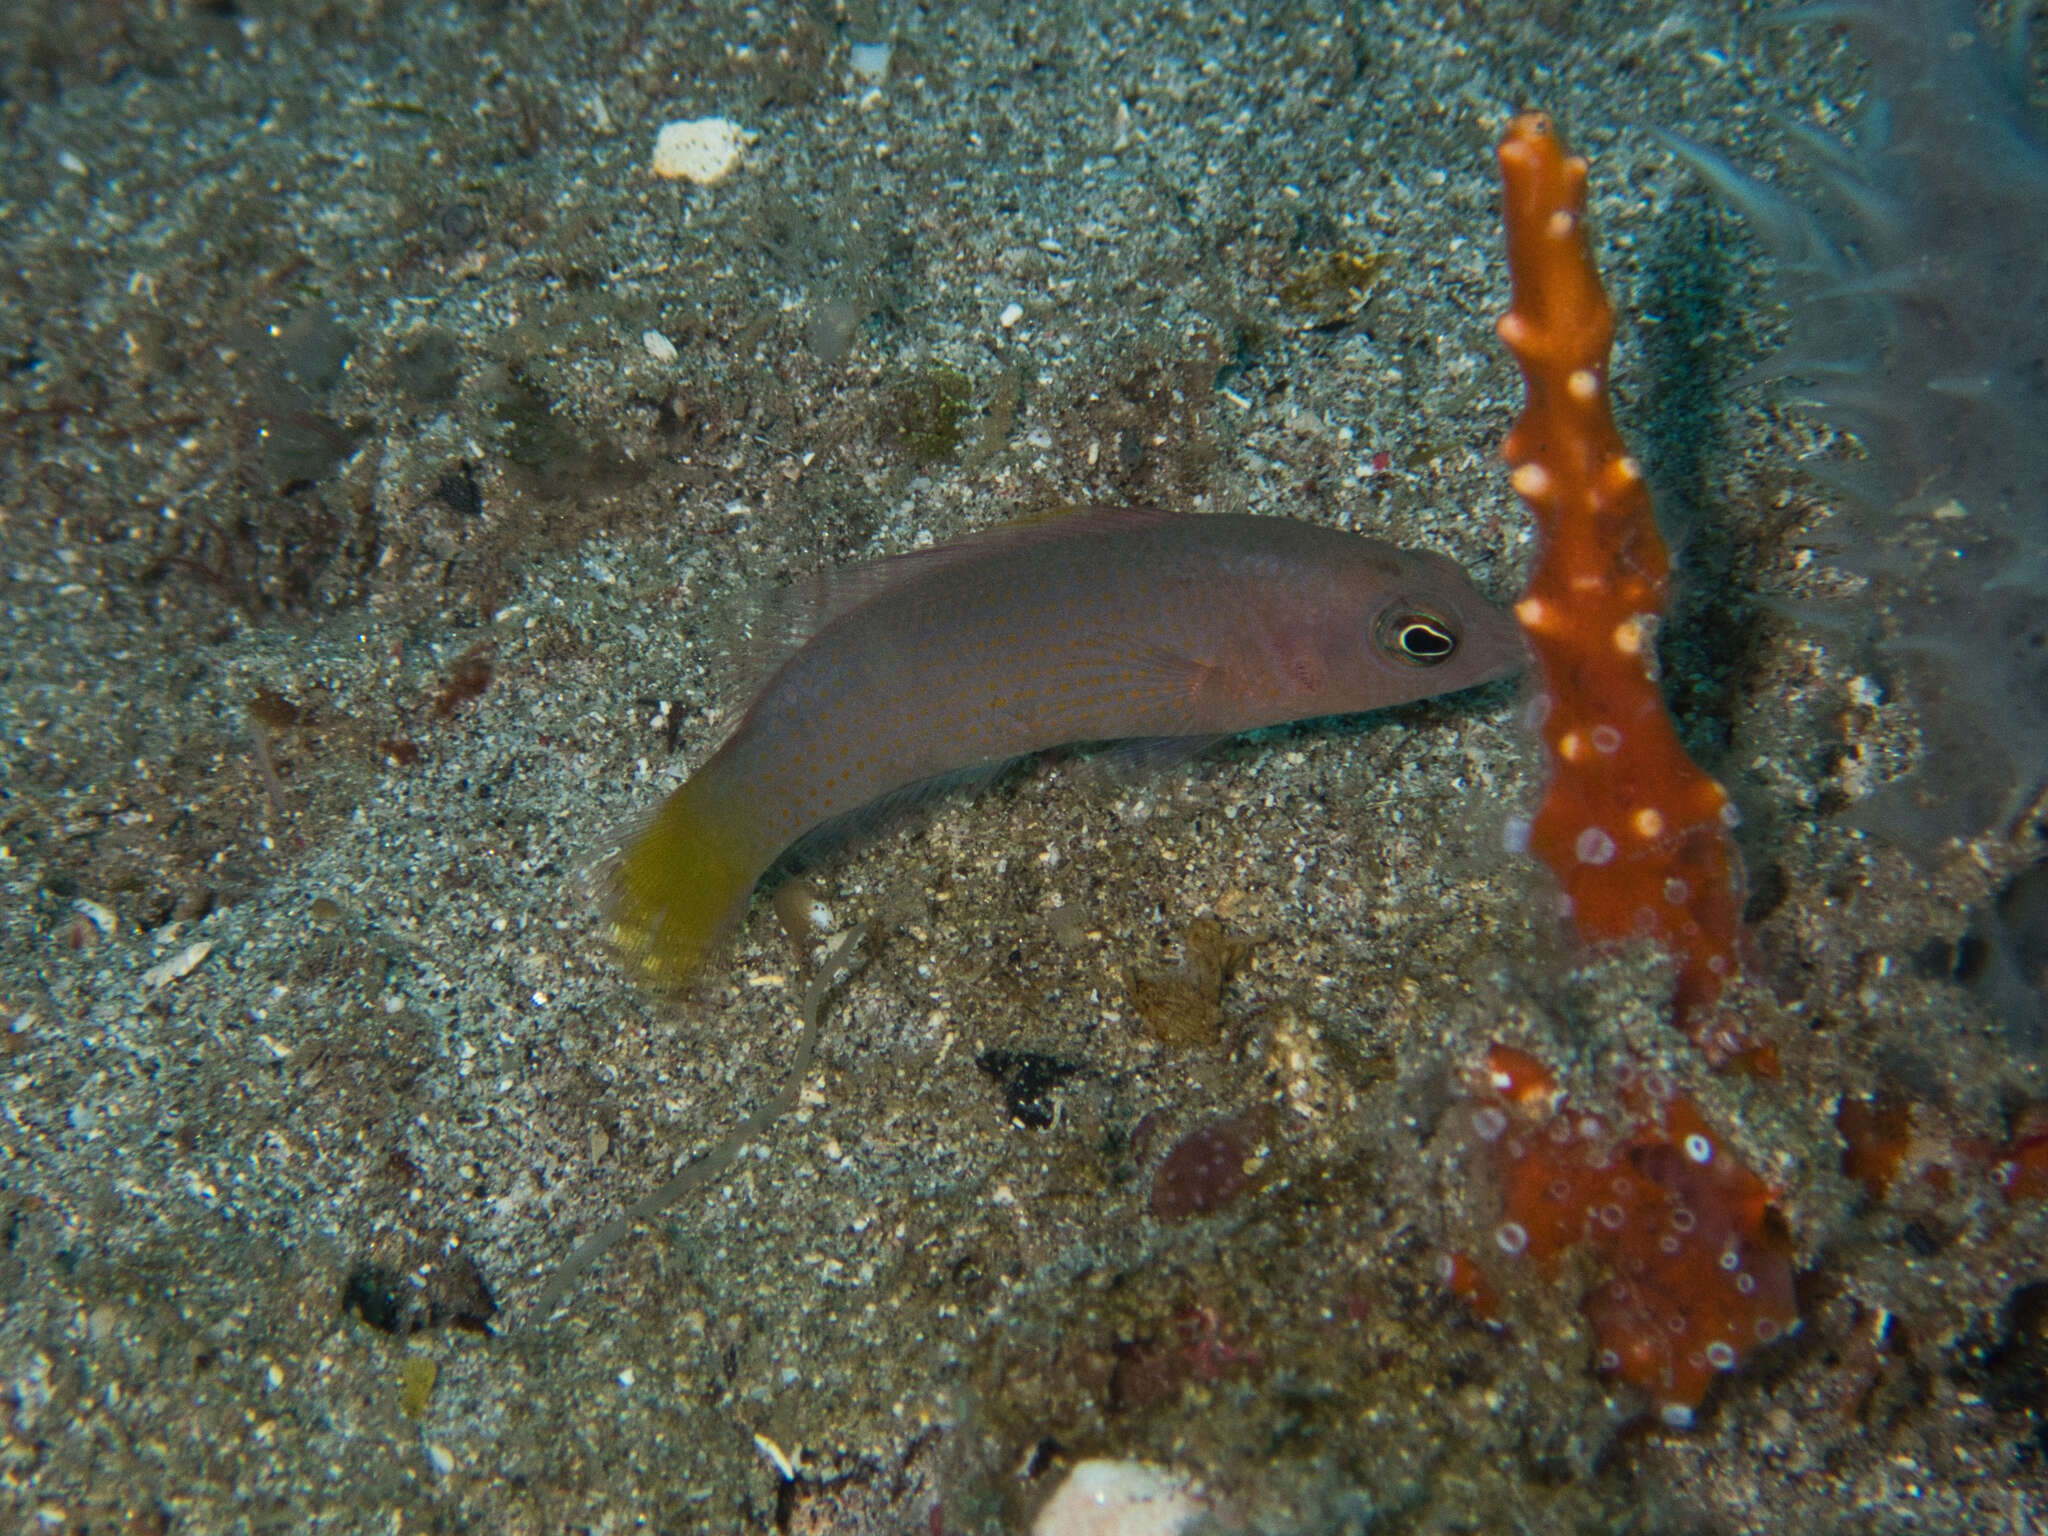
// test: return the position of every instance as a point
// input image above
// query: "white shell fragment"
(100, 917)
(658, 346)
(777, 1458)
(1119, 1498)
(183, 963)
(704, 150)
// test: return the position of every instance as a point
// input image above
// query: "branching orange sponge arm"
(1633, 829)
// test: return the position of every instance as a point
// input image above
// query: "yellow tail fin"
(682, 881)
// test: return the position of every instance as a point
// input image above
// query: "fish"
(1101, 625)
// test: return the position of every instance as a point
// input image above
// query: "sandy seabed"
(386, 453)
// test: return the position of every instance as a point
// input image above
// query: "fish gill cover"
(1917, 282)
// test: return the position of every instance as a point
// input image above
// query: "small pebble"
(182, 964)
(1207, 1169)
(1120, 1498)
(658, 346)
(703, 151)
(870, 61)
(416, 1379)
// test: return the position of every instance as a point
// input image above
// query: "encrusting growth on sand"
(1635, 831)
(1692, 1255)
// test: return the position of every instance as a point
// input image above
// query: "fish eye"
(1420, 639)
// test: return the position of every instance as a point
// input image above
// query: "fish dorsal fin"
(771, 624)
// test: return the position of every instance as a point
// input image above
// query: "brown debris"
(1184, 1006)
(467, 679)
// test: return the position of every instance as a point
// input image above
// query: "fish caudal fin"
(682, 881)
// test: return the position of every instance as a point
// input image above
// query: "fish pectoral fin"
(1209, 686)
(1170, 691)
